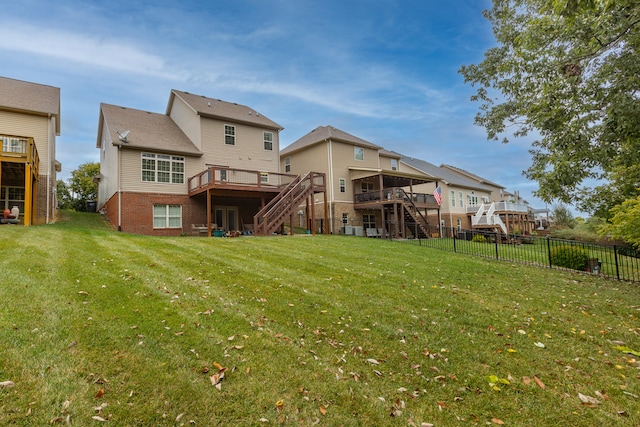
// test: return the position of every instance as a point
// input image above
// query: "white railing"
(501, 207)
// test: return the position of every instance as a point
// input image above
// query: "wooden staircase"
(413, 216)
(281, 208)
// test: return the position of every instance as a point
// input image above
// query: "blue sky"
(383, 70)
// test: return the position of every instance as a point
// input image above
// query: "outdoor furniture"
(372, 232)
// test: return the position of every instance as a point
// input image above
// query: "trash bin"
(91, 205)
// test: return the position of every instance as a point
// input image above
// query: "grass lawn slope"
(105, 328)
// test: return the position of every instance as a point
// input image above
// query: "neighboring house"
(29, 124)
(458, 193)
(503, 209)
(367, 192)
(204, 165)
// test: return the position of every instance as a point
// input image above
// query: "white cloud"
(117, 55)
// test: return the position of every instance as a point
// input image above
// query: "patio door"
(226, 217)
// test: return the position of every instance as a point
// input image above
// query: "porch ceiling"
(389, 178)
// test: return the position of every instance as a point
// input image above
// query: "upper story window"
(287, 164)
(229, 135)
(453, 199)
(460, 198)
(394, 164)
(472, 199)
(162, 168)
(268, 141)
(343, 185)
(358, 153)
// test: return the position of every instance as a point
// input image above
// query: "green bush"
(479, 238)
(570, 257)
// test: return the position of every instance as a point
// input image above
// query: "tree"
(82, 186)
(562, 217)
(625, 223)
(567, 72)
(63, 196)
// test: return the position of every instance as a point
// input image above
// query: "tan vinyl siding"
(187, 121)
(248, 151)
(36, 127)
(108, 185)
(131, 173)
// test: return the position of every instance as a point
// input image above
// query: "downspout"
(331, 199)
(48, 168)
(119, 190)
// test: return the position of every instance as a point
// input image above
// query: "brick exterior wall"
(41, 201)
(137, 212)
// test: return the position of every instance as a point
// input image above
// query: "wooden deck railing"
(19, 149)
(217, 177)
(395, 194)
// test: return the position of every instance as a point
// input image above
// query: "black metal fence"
(613, 261)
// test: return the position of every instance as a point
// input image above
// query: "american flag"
(437, 194)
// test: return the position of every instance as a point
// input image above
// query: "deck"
(226, 179)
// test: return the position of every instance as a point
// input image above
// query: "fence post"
(454, 241)
(549, 250)
(615, 256)
(495, 239)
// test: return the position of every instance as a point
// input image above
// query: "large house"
(368, 192)
(29, 124)
(205, 165)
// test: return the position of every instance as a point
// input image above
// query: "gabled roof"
(444, 175)
(392, 154)
(147, 131)
(218, 109)
(324, 133)
(471, 176)
(33, 98)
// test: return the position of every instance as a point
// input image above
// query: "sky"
(382, 70)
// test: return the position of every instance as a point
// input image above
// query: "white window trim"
(356, 151)
(173, 174)
(166, 216)
(265, 141)
(229, 134)
(342, 184)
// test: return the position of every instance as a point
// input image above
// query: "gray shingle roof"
(147, 131)
(216, 108)
(322, 133)
(444, 174)
(471, 175)
(29, 97)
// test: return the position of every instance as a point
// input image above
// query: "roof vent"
(208, 104)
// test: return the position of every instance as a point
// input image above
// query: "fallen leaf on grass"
(373, 361)
(100, 393)
(7, 384)
(497, 421)
(540, 383)
(323, 410)
(98, 418)
(588, 400)
(279, 404)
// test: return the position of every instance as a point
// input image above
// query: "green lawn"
(104, 328)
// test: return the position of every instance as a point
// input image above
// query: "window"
(453, 199)
(368, 221)
(12, 196)
(345, 218)
(460, 198)
(485, 199)
(343, 185)
(264, 177)
(287, 164)
(162, 168)
(394, 164)
(459, 221)
(367, 187)
(268, 141)
(229, 135)
(167, 216)
(472, 199)
(358, 153)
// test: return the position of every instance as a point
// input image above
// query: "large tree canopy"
(568, 73)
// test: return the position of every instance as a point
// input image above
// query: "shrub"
(570, 257)
(479, 238)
